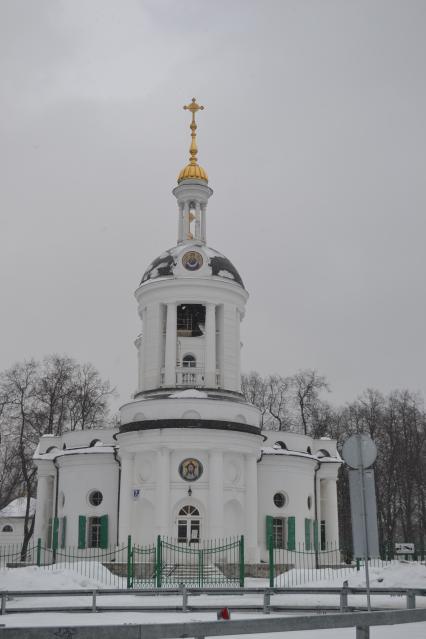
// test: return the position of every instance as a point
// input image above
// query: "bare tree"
(88, 398)
(19, 386)
(50, 397)
(255, 390)
(307, 387)
(278, 400)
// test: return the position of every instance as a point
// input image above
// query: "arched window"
(189, 511)
(51, 449)
(280, 445)
(189, 522)
(7, 528)
(189, 361)
(95, 442)
(323, 453)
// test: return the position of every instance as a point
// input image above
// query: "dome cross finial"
(193, 150)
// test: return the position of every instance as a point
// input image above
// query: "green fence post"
(158, 567)
(358, 564)
(129, 563)
(200, 568)
(242, 564)
(271, 561)
(38, 551)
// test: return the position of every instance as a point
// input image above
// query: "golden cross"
(193, 107)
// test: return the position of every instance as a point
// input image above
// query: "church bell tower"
(189, 442)
(191, 299)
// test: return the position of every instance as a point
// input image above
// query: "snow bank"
(392, 575)
(84, 574)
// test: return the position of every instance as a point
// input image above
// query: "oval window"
(95, 497)
(280, 500)
(309, 502)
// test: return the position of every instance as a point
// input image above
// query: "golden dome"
(192, 170)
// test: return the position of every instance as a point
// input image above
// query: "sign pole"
(364, 517)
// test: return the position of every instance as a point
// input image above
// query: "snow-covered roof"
(86, 450)
(17, 507)
(164, 265)
(271, 450)
(189, 393)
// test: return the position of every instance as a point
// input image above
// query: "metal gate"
(218, 563)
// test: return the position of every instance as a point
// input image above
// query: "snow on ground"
(393, 575)
(59, 578)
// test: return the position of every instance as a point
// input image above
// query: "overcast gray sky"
(314, 140)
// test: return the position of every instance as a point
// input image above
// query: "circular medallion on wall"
(192, 260)
(190, 469)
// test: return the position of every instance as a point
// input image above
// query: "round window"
(280, 500)
(95, 497)
(309, 502)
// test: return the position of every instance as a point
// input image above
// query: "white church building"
(189, 459)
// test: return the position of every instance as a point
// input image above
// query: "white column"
(152, 344)
(238, 350)
(171, 337)
(180, 223)
(216, 494)
(203, 221)
(197, 221)
(228, 342)
(251, 542)
(163, 492)
(125, 516)
(44, 506)
(210, 345)
(186, 222)
(139, 347)
(329, 513)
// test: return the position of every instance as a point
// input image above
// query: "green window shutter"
(55, 533)
(64, 531)
(49, 533)
(81, 531)
(315, 534)
(291, 533)
(307, 534)
(104, 532)
(269, 529)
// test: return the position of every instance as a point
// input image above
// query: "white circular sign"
(359, 450)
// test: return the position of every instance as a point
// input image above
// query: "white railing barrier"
(186, 592)
(362, 621)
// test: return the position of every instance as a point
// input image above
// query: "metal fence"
(297, 564)
(169, 563)
(214, 563)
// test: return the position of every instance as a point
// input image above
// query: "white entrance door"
(189, 525)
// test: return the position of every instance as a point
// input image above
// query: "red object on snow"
(224, 613)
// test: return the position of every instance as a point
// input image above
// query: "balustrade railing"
(193, 377)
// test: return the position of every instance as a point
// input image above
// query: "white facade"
(189, 460)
